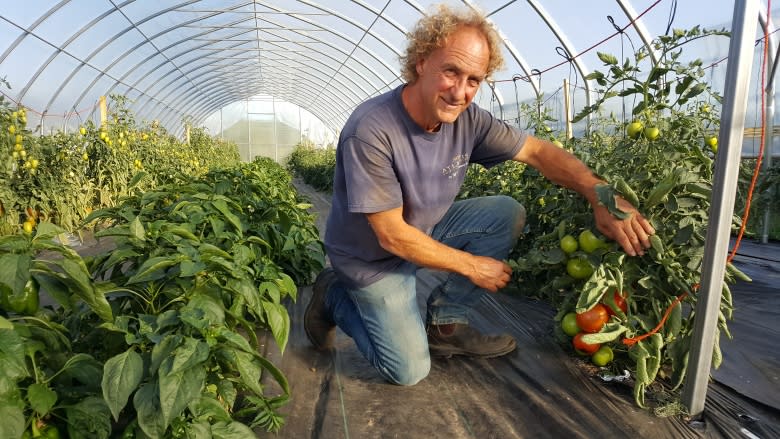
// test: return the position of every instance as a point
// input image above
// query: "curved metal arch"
(158, 51)
(303, 85)
(169, 60)
(57, 50)
(238, 21)
(185, 101)
(581, 68)
(100, 48)
(640, 28)
(300, 79)
(366, 31)
(83, 63)
(221, 102)
(259, 67)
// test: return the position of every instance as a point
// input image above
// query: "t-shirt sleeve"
(496, 141)
(372, 185)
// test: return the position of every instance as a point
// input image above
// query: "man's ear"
(420, 66)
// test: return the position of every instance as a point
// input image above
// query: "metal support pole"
(740, 63)
(773, 53)
(567, 108)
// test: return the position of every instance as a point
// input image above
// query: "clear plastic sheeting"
(184, 60)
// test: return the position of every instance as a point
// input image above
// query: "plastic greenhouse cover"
(175, 59)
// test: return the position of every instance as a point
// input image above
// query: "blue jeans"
(384, 318)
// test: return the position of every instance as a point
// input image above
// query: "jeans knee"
(409, 372)
(515, 213)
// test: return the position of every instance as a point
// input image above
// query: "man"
(401, 159)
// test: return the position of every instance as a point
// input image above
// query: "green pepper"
(50, 432)
(27, 301)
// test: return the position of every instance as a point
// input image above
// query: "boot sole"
(449, 353)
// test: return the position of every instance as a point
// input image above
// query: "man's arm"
(563, 168)
(399, 238)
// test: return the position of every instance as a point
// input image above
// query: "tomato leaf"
(606, 196)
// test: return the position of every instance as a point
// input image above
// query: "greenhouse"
(389, 218)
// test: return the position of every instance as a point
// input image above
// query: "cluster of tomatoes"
(578, 266)
(577, 325)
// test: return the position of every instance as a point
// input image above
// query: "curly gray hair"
(432, 31)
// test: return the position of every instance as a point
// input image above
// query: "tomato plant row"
(666, 172)
(62, 177)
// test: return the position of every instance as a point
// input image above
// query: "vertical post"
(276, 134)
(187, 133)
(769, 120)
(567, 108)
(769, 138)
(103, 111)
(716, 244)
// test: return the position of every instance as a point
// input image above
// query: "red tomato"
(582, 347)
(593, 319)
(620, 301)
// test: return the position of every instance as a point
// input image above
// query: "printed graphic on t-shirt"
(458, 162)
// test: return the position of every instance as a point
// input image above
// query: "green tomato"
(712, 142)
(568, 244)
(634, 128)
(651, 133)
(603, 356)
(569, 324)
(589, 241)
(579, 268)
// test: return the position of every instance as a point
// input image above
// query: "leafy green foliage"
(315, 166)
(667, 175)
(159, 337)
(62, 177)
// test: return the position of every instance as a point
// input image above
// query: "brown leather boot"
(317, 322)
(461, 339)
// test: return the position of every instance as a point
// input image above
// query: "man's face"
(450, 77)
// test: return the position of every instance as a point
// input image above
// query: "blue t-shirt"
(384, 160)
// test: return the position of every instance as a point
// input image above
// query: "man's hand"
(631, 233)
(488, 273)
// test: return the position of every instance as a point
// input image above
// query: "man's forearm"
(411, 244)
(561, 167)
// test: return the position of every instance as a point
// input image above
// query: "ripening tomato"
(593, 319)
(582, 347)
(620, 302)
